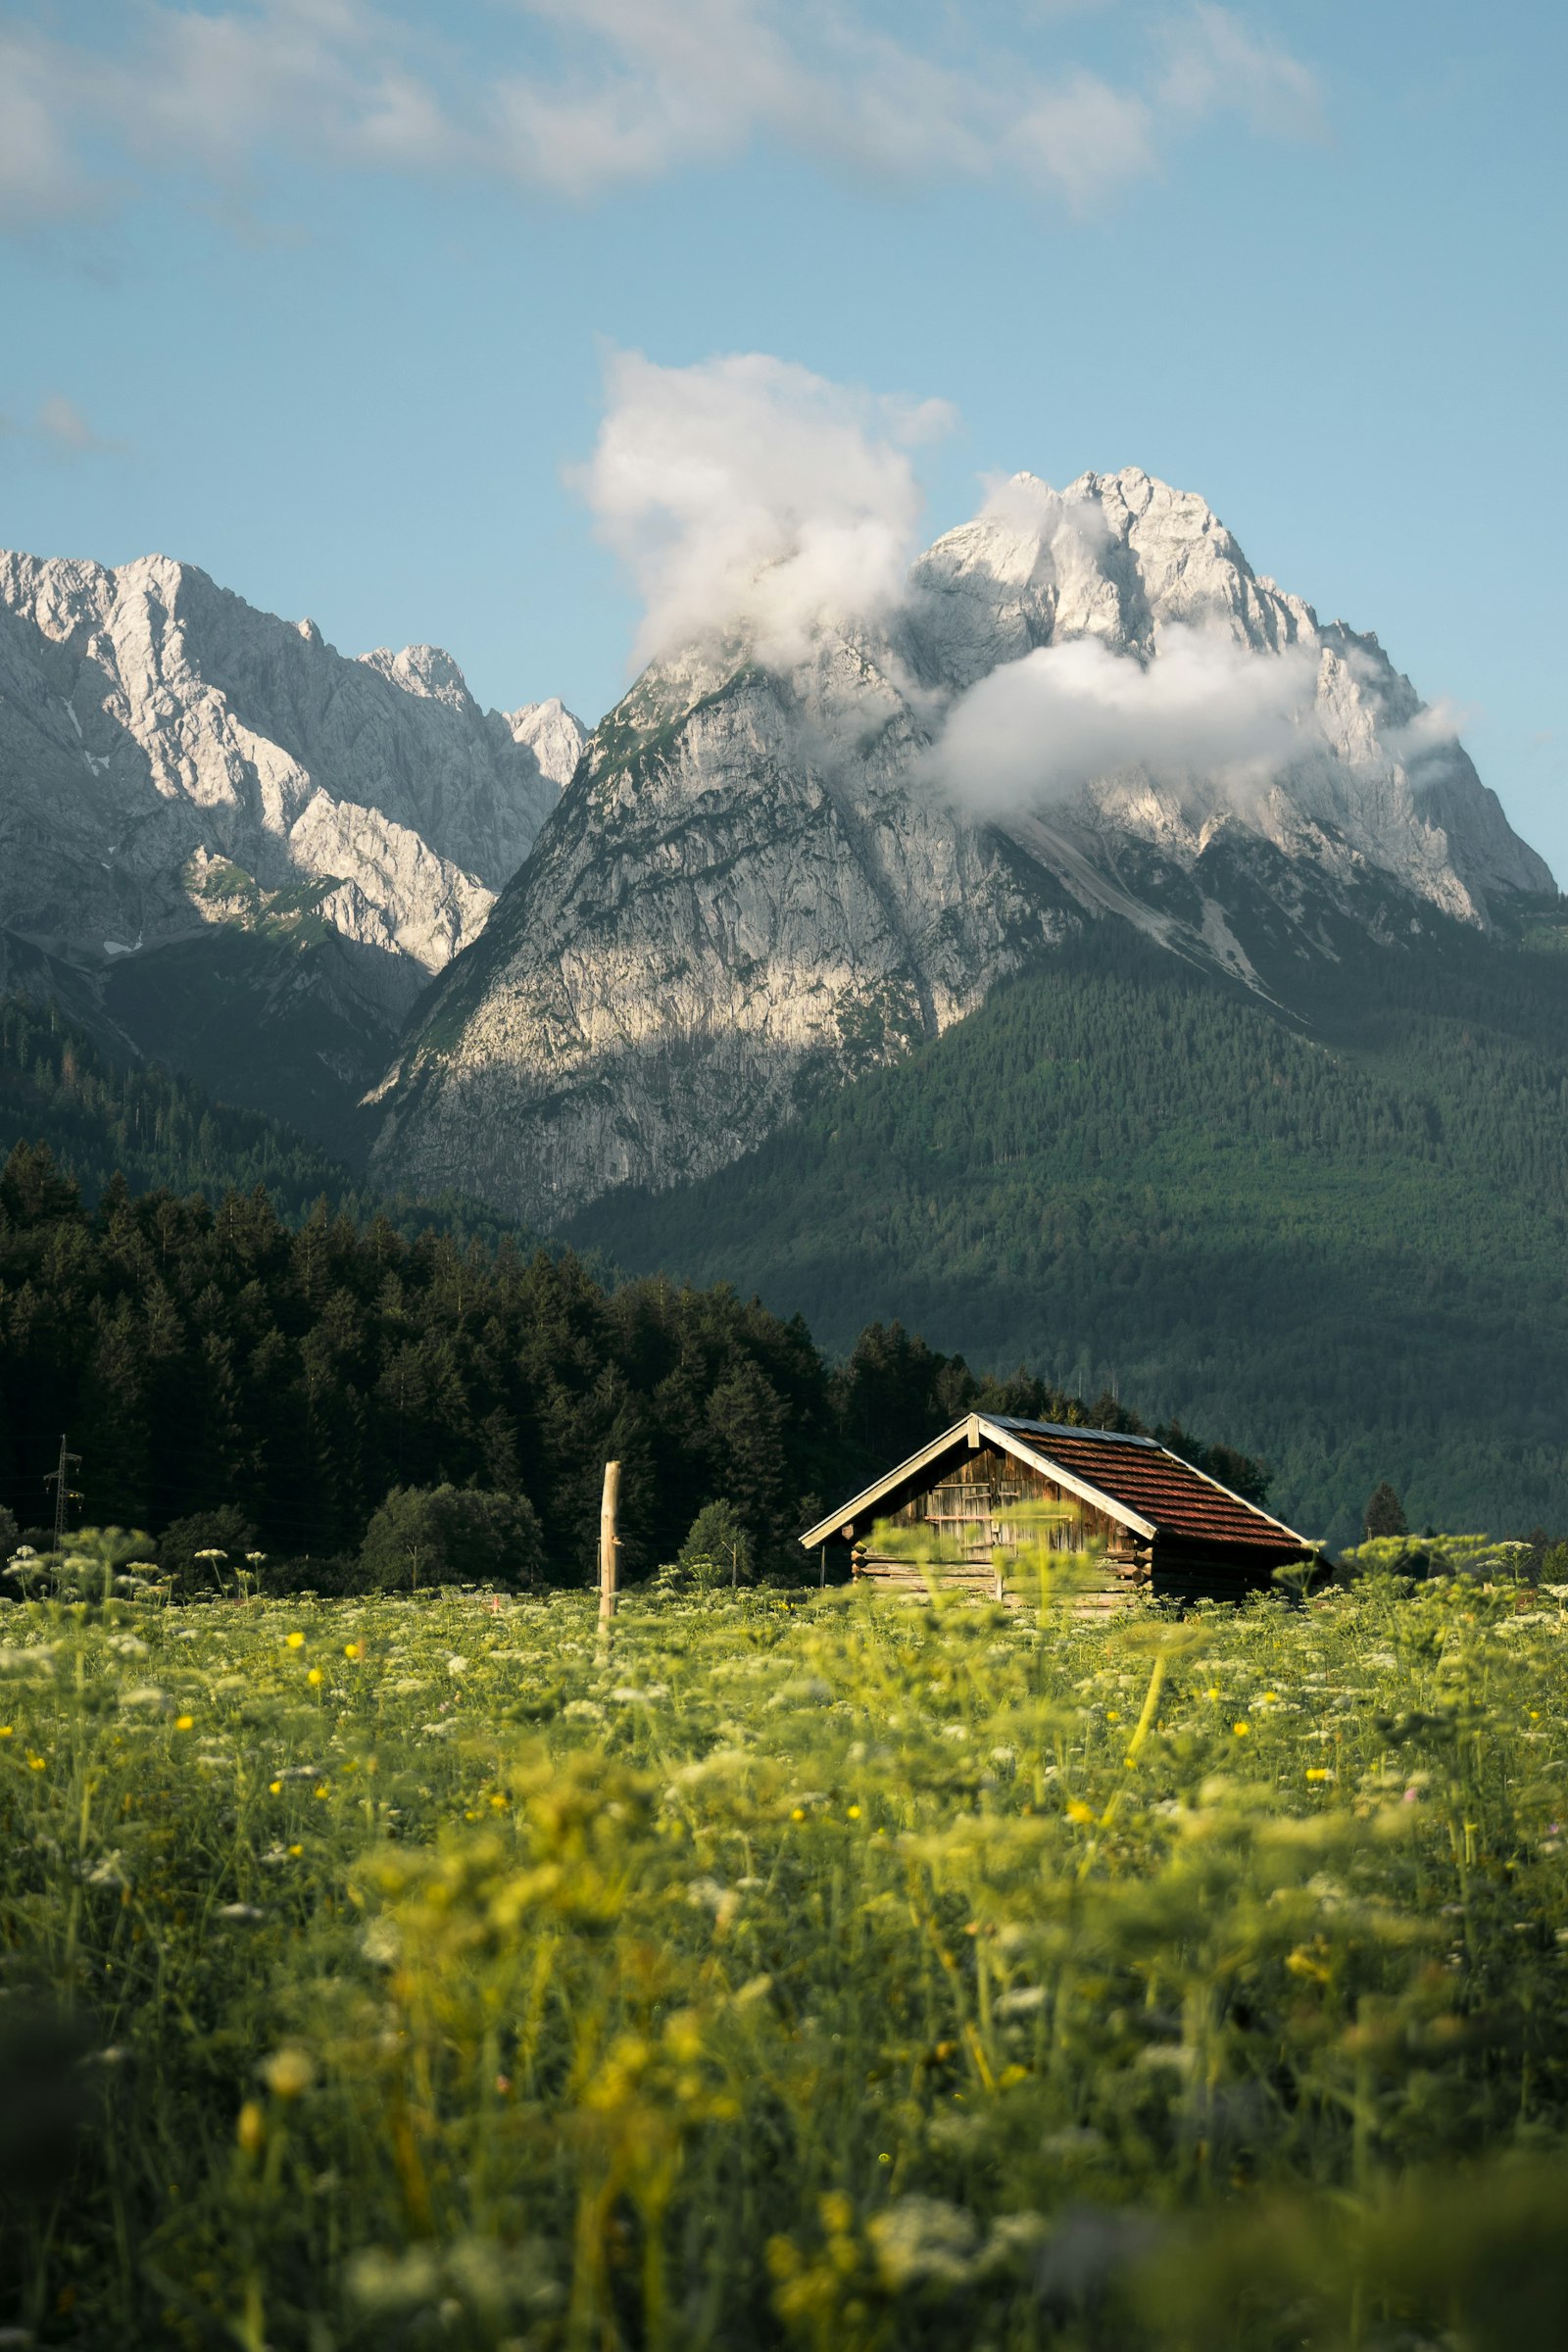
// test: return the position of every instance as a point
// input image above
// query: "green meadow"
(798, 1969)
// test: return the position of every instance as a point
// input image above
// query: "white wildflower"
(381, 1943)
(706, 1895)
(923, 2240)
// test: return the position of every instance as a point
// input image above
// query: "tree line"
(206, 1354)
(1338, 1238)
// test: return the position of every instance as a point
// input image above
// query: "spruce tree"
(1385, 1513)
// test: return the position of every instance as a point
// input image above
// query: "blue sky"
(320, 294)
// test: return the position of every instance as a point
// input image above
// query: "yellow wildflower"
(251, 2129)
(184, 1723)
(855, 1813)
(274, 1787)
(295, 1640)
(354, 1649)
(315, 1678)
(288, 2072)
(1241, 1729)
(1078, 1811)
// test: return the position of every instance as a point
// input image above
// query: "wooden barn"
(1167, 1530)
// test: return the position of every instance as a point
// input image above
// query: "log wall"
(980, 1502)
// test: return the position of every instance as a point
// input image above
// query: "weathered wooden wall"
(980, 1500)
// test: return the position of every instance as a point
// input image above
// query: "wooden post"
(606, 1543)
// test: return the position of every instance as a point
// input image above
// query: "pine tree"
(1385, 1513)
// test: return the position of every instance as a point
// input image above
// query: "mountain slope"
(175, 765)
(151, 1128)
(765, 880)
(1345, 1247)
(147, 1129)
(718, 917)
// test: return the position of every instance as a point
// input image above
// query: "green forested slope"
(206, 1353)
(152, 1127)
(215, 1317)
(160, 1130)
(1336, 1238)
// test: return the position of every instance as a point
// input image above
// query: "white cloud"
(1085, 137)
(746, 493)
(39, 177)
(1214, 66)
(1203, 707)
(62, 426)
(579, 96)
(750, 498)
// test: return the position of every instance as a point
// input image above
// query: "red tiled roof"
(1158, 1486)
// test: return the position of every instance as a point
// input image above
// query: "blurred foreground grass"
(835, 1973)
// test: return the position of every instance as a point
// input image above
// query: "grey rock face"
(550, 732)
(1381, 788)
(736, 896)
(753, 886)
(155, 729)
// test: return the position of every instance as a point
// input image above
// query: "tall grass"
(838, 1971)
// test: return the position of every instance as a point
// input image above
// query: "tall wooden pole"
(606, 1543)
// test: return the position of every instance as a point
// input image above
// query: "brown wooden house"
(1166, 1529)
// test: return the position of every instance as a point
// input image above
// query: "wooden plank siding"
(973, 1501)
(1153, 1523)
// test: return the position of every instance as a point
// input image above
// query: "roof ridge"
(1071, 1429)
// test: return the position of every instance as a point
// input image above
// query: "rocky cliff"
(249, 853)
(169, 757)
(763, 881)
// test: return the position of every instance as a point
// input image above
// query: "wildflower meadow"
(816, 1970)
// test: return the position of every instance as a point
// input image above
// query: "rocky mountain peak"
(763, 878)
(551, 732)
(175, 765)
(423, 669)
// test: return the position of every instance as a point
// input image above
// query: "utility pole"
(59, 1479)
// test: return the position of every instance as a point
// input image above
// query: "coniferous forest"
(206, 1357)
(1336, 1244)
(1337, 1234)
